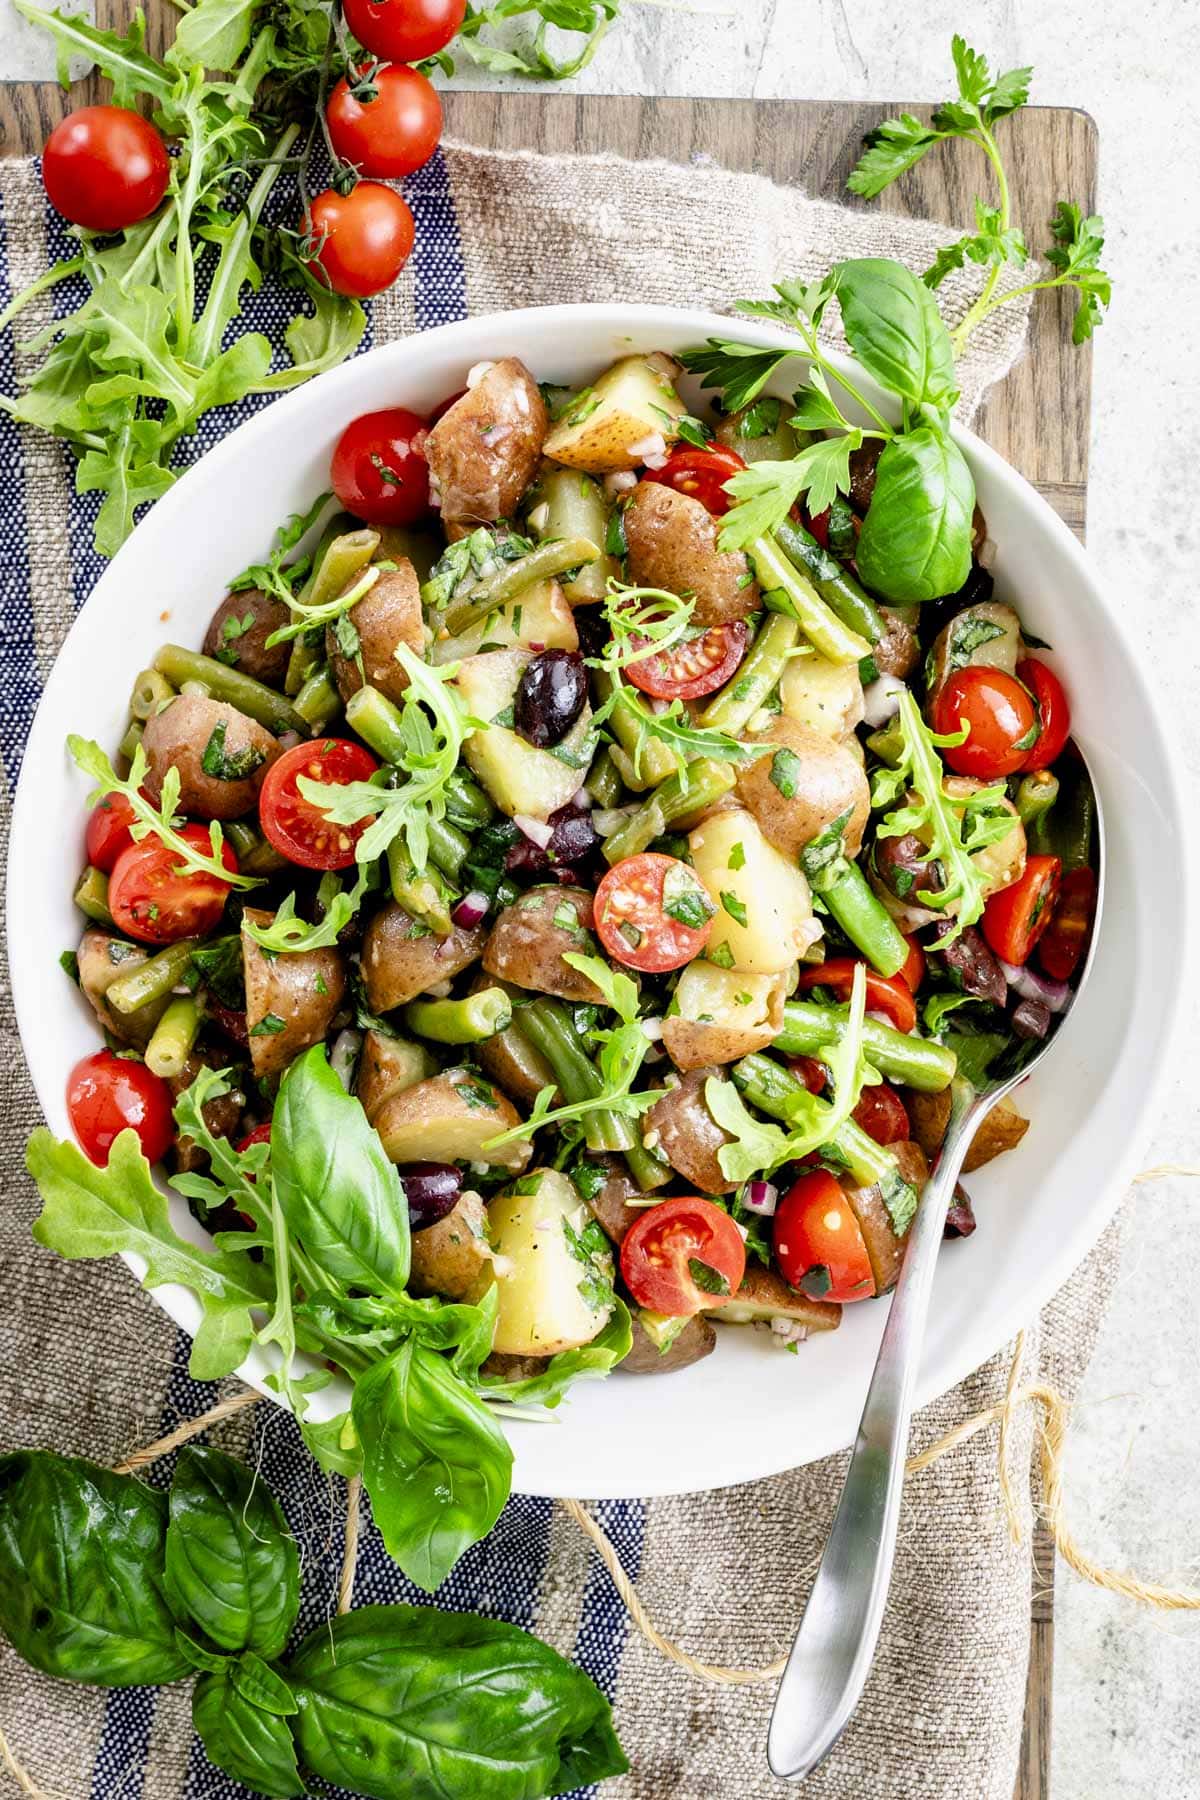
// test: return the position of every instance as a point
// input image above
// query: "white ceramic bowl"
(748, 1410)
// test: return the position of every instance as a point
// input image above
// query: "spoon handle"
(834, 1647)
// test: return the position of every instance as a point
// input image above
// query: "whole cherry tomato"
(882, 1114)
(1053, 713)
(1015, 918)
(388, 123)
(108, 1094)
(1000, 716)
(890, 995)
(108, 831)
(297, 827)
(653, 913)
(358, 242)
(378, 470)
(818, 1241)
(682, 1257)
(404, 31)
(695, 667)
(701, 475)
(1065, 938)
(154, 899)
(105, 167)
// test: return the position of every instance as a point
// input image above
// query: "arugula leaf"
(286, 933)
(588, 1362)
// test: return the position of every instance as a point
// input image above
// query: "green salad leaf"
(253, 1745)
(231, 1562)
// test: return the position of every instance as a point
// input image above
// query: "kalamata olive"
(864, 463)
(575, 837)
(978, 587)
(1031, 1019)
(432, 1190)
(552, 694)
(978, 971)
(960, 1214)
(901, 866)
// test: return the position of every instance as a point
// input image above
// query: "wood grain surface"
(1038, 418)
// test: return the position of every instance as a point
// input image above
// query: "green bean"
(866, 921)
(231, 687)
(656, 763)
(151, 691)
(604, 781)
(466, 803)
(424, 896)
(153, 979)
(545, 1024)
(575, 508)
(786, 590)
(255, 855)
(773, 1089)
(378, 723)
(91, 896)
(173, 1037)
(336, 563)
(197, 690)
(732, 709)
(511, 579)
(914, 1061)
(466, 1021)
(1035, 796)
(648, 1169)
(449, 848)
(836, 586)
(131, 740)
(701, 784)
(318, 701)
(1066, 832)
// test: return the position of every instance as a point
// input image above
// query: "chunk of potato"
(885, 1250)
(672, 544)
(449, 1119)
(454, 1258)
(290, 998)
(685, 1132)
(555, 1280)
(238, 631)
(806, 785)
(519, 777)
(387, 1066)
(765, 1297)
(610, 1205)
(484, 450)
(402, 958)
(1001, 1130)
(723, 1014)
(539, 620)
(386, 617)
(764, 920)
(826, 697)
(1003, 862)
(531, 937)
(102, 958)
(696, 1341)
(206, 741)
(602, 427)
(984, 636)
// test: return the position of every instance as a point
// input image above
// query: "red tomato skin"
(393, 134)
(890, 995)
(1015, 918)
(106, 1094)
(1000, 715)
(404, 31)
(260, 1135)
(913, 972)
(395, 439)
(153, 903)
(657, 1248)
(714, 657)
(700, 474)
(292, 824)
(883, 1115)
(105, 167)
(1061, 946)
(819, 526)
(815, 1229)
(666, 943)
(359, 241)
(811, 1072)
(108, 831)
(1054, 713)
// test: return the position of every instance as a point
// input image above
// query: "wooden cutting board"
(1039, 418)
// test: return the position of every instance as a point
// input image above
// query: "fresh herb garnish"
(229, 765)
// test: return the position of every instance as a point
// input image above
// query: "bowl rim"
(1087, 1226)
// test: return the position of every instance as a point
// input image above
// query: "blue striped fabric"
(504, 1576)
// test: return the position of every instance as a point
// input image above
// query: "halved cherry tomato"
(378, 469)
(260, 1135)
(890, 995)
(393, 132)
(701, 475)
(105, 167)
(682, 1257)
(811, 1072)
(404, 31)
(698, 666)
(913, 972)
(653, 913)
(108, 1094)
(153, 900)
(358, 242)
(819, 1244)
(1053, 712)
(1001, 719)
(882, 1114)
(819, 526)
(1015, 918)
(296, 827)
(108, 831)
(1065, 938)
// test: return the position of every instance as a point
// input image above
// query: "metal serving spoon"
(835, 1644)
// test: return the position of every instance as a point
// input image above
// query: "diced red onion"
(881, 700)
(471, 910)
(344, 1055)
(620, 481)
(1032, 986)
(536, 830)
(658, 460)
(760, 1197)
(653, 1029)
(287, 740)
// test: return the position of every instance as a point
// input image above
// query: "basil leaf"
(81, 1572)
(895, 330)
(229, 765)
(253, 1746)
(436, 1464)
(406, 1703)
(339, 1193)
(915, 542)
(232, 1563)
(262, 1686)
(334, 1444)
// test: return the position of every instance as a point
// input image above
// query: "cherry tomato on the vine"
(700, 474)
(698, 666)
(358, 242)
(1001, 717)
(152, 898)
(1015, 918)
(1053, 713)
(105, 167)
(890, 995)
(683, 1256)
(378, 470)
(108, 831)
(819, 1244)
(108, 1094)
(1064, 940)
(404, 31)
(653, 913)
(882, 1114)
(297, 827)
(388, 123)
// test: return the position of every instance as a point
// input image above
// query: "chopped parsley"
(734, 907)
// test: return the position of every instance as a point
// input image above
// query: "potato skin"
(387, 1066)
(897, 652)
(304, 989)
(449, 1118)
(510, 1060)
(1002, 1130)
(484, 451)
(829, 781)
(390, 614)
(247, 650)
(223, 1116)
(764, 1296)
(672, 542)
(526, 946)
(102, 957)
(453, 1258)
(688, 1135)
(692, 1042)
(884, 1249)
(177, 737)
(696, 1341)
(401, 960)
